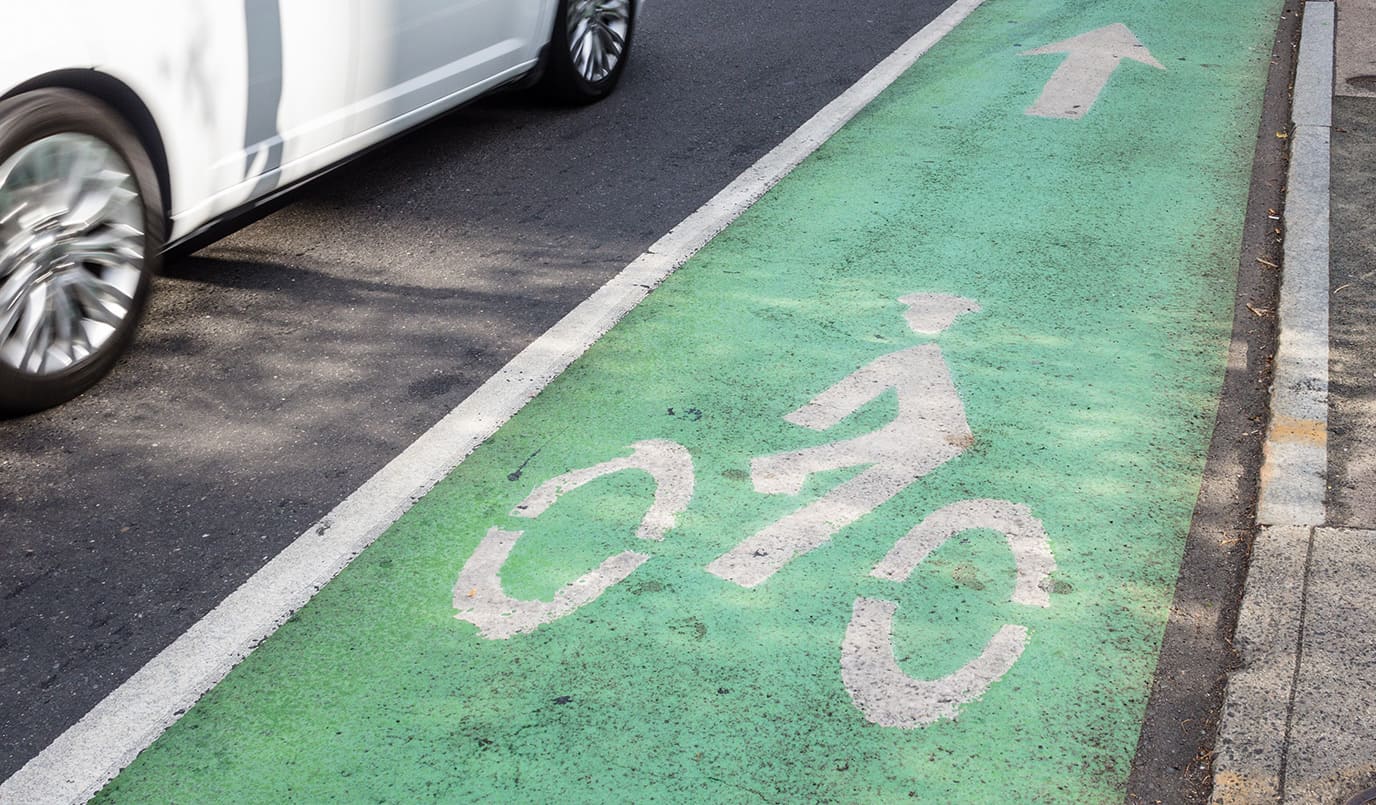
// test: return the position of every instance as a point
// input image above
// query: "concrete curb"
(1294, 469)
(1254, 726)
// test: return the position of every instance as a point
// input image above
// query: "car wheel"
(81, 226)
(587, 53)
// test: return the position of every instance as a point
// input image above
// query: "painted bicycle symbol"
(929, 430)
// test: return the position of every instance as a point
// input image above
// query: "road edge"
(1172, 761)
(1250, 751)
(1296, 456)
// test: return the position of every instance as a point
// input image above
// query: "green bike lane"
(883, 494)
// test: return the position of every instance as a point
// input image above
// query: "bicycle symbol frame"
(929, 429)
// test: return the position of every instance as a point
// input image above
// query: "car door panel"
(417, 53)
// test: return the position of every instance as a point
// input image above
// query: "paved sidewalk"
(1297, 722)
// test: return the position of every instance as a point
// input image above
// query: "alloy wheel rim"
(597, 36)
(71, 252)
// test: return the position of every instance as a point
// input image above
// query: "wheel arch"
(127, 103)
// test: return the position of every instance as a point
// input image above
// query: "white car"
(130, 128)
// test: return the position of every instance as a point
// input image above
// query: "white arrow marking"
(1091, 59)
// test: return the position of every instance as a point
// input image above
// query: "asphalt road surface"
(281, 367)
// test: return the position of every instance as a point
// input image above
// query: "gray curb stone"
(1294, 468)
(1250, 752)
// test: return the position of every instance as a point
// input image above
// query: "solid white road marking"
(929, 430)
(85, 757)
(478, 594)
(669, 463)
(480, 600)
(1090, 61)
(890, 698)
(1027, 541)
(933, 313)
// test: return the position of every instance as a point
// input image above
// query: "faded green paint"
(1102, 252)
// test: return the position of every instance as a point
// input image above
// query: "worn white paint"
(932, 313)
(929, 430)
(890, 698)
(1027, 540)
(478, 594)
(480, 600)
(876, 684)
(1090, 60)
(667, 462)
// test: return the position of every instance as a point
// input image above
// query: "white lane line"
(92, 751)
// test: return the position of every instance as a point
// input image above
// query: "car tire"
(81, 228)
(588, 49)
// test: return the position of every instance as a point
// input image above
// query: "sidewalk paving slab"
(1251, 746)
(1352, 365)
(1332, 751)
